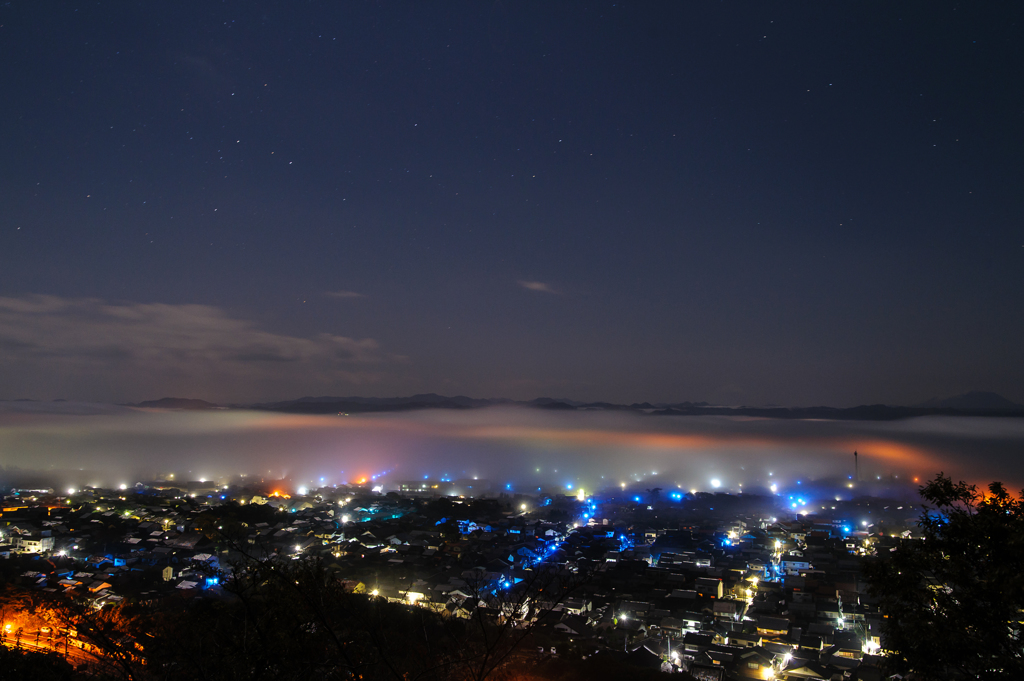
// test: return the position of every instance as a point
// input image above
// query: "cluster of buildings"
(737, 593)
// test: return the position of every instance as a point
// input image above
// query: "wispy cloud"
(91, 348)
(539, 286)
(344, 294)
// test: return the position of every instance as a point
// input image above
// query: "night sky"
(816, 203)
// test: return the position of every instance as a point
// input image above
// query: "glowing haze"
(515, 448)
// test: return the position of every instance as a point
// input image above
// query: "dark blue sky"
(811, 204)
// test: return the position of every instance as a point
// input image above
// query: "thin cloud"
(95, 349)
(539, 286)
(344, 294)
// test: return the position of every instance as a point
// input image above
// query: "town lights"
(522, 507)
(716, 483)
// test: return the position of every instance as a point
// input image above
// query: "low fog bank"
(521, 449)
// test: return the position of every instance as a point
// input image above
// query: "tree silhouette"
(953, 601)
(282, 618)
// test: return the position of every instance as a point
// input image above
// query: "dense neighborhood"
(662, 583)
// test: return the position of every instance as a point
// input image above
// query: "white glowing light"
(715, 482)
(71, 490)
(122, 486)
(774, 488)
(302, 491)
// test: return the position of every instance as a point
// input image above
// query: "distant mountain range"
(968, 404)
(176, 403)
(975, 400)
(347, 405)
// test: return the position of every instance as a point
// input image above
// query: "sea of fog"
(521, 449)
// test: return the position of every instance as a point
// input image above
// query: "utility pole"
(856, 467)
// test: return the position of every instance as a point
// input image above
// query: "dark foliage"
(278, 618)
(598, 668)
(953, 602)
(20, 664)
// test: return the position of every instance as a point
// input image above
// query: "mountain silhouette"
(976, 400)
